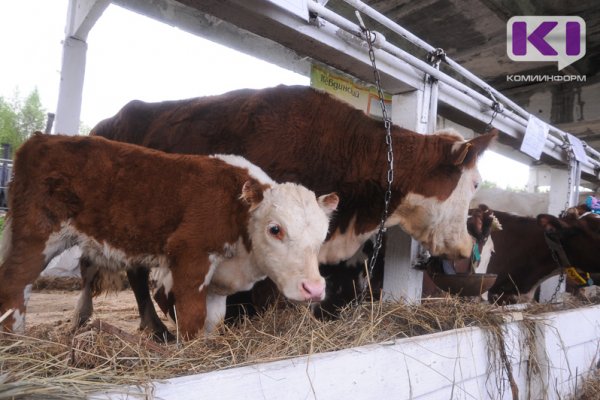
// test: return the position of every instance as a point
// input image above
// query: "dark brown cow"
(480, 224)
(522, 258)
(302, 135)
(214, 225)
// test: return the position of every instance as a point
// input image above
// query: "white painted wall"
(448, 365)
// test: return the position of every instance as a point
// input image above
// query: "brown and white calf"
(216, 225)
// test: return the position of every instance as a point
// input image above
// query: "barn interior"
(469, 87)
(268, 31)
(281, 32)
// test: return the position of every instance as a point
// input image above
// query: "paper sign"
(578, 149)
(358, 94)
(535, 137)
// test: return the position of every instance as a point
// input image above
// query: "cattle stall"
(304, 30)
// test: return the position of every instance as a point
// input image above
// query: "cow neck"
(364, 182)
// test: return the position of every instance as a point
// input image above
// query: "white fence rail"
(459, 364)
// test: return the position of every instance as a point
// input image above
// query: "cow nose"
(313, 290)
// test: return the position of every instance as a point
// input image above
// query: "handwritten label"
(535, 137)
(578, 149)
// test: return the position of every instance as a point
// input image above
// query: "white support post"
(70, 93)
(401, 280)
(82, 16)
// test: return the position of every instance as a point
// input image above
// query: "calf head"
(435, 209)
(287, 226)
(579, 237)
(480, 224)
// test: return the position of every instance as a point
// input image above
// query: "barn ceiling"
(473, 33)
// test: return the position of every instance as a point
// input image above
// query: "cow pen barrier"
(546, 358)
(512, 111)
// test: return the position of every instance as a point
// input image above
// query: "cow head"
(579, 237)
(434, 211)
(287, 226)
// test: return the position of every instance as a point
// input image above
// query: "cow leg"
(138, 280)
(22, 264)
(190, 296)
(85, 306)
(216, 306)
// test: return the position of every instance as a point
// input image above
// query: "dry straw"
(51, 361)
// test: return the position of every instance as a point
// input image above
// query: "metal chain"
(569, 150)
(561, 279)
(496, 108)
(390, 152)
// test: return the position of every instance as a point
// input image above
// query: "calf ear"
(252, 193)
(329, 202)
(549, 223)
(465, 154)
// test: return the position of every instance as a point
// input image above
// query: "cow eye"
(476, 184)
(275, 230)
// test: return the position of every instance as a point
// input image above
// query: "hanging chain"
(496, 108)
(369, 36)
(561, 279)
(569, 151)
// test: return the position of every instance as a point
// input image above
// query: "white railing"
(513, 115)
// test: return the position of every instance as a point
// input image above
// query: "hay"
(590, 388)
(51, 361)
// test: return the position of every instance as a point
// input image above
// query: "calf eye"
(276, 231)
(476, 184)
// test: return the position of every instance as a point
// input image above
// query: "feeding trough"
(465, 284)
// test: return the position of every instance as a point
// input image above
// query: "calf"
(214, 225)
(522, 257)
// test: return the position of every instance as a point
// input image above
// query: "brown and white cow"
(302, 135)
(215, 224)
(523, 260)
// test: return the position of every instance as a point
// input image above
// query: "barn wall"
(459, 364)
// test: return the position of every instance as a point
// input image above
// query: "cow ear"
(252, 193)
(549, 223)
(466, 154)
(328, 203)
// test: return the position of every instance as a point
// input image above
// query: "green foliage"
(84, 129)
(488, 185)
(19, 118)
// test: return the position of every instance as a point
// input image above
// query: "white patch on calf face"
(253, 170)
(440, 225)
(287, 230)
(236, 271)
